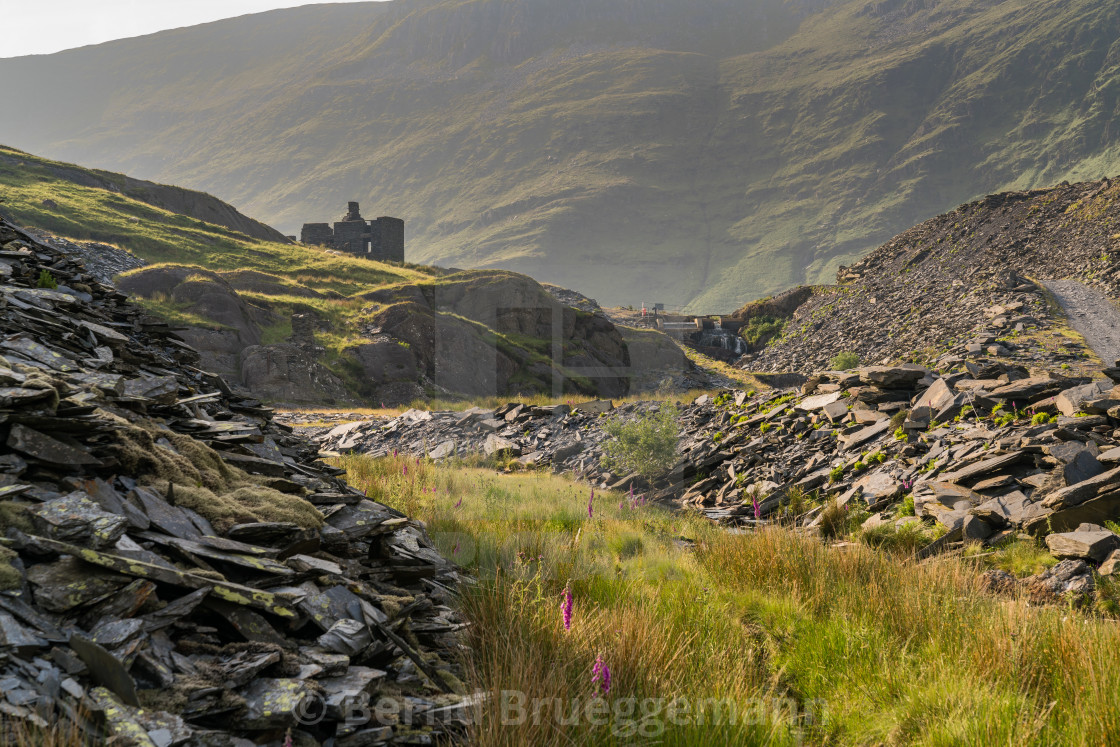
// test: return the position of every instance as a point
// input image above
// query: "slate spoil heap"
(175, 567)
(986, 453)
(925, 291)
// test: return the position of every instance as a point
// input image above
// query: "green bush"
(46, 280)
(646, 445)
(761, 329)
(844, 361)
(906, 507)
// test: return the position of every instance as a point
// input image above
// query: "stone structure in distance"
(381, 239)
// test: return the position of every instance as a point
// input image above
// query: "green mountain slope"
(698, 154)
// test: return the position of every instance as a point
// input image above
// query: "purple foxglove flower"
(459, 503)
(601, 676)
(566, 607)
(591, 505)
(757, 507)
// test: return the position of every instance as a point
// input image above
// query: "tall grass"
(898, 652)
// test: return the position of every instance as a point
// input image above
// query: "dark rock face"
(174, 560)
(447, 326)
(286, 373)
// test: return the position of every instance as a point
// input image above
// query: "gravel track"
(1092, 314)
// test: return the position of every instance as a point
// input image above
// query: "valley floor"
(756, 637)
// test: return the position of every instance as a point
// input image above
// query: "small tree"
(646, 445)
(844, 361)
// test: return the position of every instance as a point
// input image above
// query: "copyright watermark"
(625, 717)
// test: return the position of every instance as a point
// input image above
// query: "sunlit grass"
(899, 652)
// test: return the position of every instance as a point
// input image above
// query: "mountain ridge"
(545, 139)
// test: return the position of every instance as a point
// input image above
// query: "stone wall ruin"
(381, 239)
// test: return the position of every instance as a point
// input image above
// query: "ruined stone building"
(381, 239)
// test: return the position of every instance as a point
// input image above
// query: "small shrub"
(646, 445)
(765, 427)
(844, 361)
(903, 540)
(900, 434)
(836, 474)
(761, 329)
(46, 280)
(1023, 558)
(1040, 418)
(906, 507)
(834, 521)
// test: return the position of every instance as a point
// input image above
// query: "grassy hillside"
(37, 192)
(701, 154)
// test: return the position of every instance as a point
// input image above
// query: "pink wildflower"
(591, 505)
(601, 676)
(566, 607)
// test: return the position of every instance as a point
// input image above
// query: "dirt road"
(1092, 314)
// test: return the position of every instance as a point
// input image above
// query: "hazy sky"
(45, 26)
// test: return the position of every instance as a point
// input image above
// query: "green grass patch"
(890, 651)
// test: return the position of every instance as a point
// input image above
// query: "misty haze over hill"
(699, 153)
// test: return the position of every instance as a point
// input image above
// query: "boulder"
(891, 377)
(1111, 565)
(1082, 491)
(495, 444)
(839, 409)
(936, 396)
(1071, 401)
(1086, 545)
(878, 487)
(1006, 510)
(819, 401)
(1067, 577)
(976, 529)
